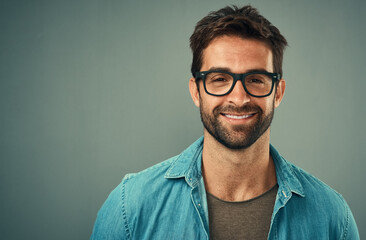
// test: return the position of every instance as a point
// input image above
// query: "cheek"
(267, 105)
(208, 103)
(271, 105)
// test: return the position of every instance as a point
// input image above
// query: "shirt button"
(284, 194)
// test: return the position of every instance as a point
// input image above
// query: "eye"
(219, 79)
(216, 77)
(255, 80)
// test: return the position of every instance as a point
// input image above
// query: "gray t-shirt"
(249, 219)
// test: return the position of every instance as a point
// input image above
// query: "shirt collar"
(188, 165)
(287, 181)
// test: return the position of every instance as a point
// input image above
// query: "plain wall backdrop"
(92, 90)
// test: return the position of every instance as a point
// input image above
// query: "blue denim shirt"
(168, 201)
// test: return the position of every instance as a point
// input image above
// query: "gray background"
(92, 90)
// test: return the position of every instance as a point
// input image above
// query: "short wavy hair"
(245, 22)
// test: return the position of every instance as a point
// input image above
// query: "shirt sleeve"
(110, 222)
(351, 231)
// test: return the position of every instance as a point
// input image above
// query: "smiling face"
(236, 120)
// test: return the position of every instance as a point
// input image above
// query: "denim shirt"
(168, 201)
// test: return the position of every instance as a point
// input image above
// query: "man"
(231, 183)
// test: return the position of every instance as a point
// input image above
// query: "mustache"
(235, 109)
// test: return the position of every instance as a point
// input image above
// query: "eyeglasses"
(220, 83)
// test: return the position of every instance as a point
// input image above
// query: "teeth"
(238, 117)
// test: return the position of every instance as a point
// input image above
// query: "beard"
(239, 136)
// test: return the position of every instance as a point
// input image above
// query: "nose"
(238, 95)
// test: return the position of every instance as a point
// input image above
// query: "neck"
(237, 175)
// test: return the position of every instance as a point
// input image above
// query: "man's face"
(236, 120)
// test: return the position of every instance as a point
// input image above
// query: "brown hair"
(245, 22)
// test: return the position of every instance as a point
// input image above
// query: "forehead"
(237, 54)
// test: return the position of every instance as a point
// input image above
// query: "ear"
(280, 91)
(195, 94)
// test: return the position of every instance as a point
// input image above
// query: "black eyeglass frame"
(202, 75)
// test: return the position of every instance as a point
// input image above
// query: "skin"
(245, 173)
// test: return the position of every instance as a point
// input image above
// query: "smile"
(238, 116)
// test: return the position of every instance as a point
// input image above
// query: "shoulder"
(157, 170)
(310, 202)
(112, 217)
(294, 179)
(315, 188)
(147, 180)
(145, 194)
(323, 202)
(142, 182)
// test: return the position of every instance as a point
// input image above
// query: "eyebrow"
(225, 69)
(219, 69)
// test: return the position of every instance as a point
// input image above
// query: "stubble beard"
(236, 137)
